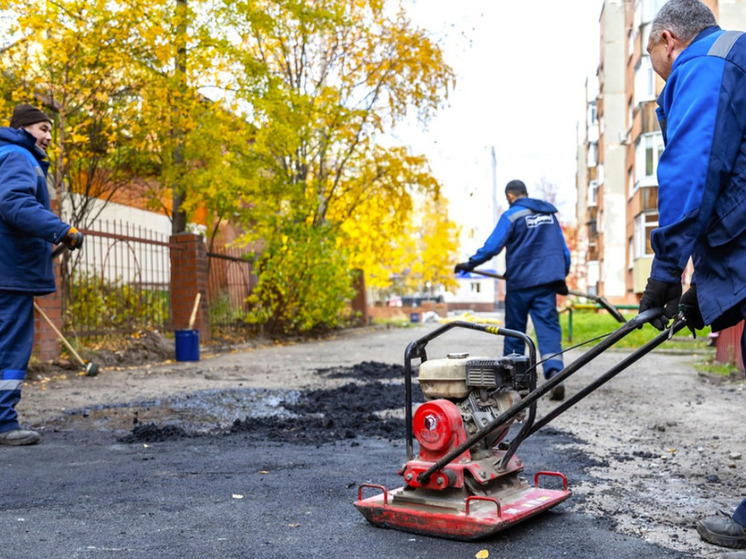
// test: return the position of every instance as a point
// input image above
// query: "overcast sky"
(520, 66)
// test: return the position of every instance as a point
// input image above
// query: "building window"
(592, 154)
(648, 151)
(592, 114)
(644, 80)
(476, 287)
(593, 193)
(649, 199)
(644, 225)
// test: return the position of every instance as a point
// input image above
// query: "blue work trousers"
(541, 304)
(740, 514)
(16, 342)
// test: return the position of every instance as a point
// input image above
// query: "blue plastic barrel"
(187, 345)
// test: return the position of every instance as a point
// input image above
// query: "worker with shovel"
(28, 229)
(702, 186)
(537, 261)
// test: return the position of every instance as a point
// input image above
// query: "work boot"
(18, 437)
(722, 530)
(558, 392)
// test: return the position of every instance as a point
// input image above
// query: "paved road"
(83, 493)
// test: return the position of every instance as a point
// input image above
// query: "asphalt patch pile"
(152, 433)
(372, 405)
(367, 370)
(366, 408)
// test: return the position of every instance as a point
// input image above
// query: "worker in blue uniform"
(702, 188)
(537, 262)
(28, 229)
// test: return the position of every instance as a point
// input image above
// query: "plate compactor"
(465, 483)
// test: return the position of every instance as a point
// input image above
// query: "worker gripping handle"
(73, 239)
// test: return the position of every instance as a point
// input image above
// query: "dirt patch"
(141, 348)
(149, 347)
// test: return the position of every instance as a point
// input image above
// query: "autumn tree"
(267, 113)
(67, 56)
(323, 80)
(434, 250)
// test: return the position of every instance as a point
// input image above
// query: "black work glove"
(73, 239)
(690, 307)
(463, 267)
(560, 288)
(661, 294)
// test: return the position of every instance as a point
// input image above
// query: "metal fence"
(120, 282)
(231, 280)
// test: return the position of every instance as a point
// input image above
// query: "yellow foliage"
(265, 112)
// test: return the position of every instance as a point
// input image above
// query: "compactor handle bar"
(531, 399)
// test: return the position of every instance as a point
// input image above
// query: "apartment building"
(620, 143)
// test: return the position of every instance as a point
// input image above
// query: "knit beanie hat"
(26, 115)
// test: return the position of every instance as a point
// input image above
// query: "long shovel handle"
(59, 250)
(595, 298)
(59, 334)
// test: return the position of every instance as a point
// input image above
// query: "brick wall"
(46, 341)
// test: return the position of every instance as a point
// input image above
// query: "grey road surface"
(83, 493)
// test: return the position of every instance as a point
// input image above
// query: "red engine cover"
(438, 427)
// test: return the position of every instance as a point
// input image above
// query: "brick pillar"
(189, 277)
(46, 341)
(360, 302)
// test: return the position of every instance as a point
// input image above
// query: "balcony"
(649, 198)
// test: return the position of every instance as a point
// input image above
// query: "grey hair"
(685, 18)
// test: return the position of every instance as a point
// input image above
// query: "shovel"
(613, 311)
(91, 369)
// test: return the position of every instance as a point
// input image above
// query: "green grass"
(712, 368)
(588, 324)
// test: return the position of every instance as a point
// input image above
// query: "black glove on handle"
(661, 294)
(73, 239)
(690, 307)
(463, 267)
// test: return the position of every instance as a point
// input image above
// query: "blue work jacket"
(535, 249)
(702, 171)
(28, 227)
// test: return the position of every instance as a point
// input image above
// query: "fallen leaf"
(482, 554)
